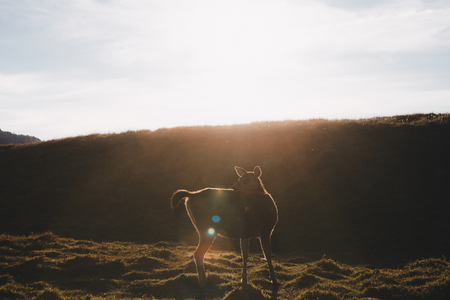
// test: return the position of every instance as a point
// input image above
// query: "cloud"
(175, 36)
(362, 6)
(148, 64)
(355, 4)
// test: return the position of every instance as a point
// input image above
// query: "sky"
(78, 67)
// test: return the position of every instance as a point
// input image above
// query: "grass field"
(44, 266)
(371, 195)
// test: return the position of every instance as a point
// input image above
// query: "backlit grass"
(45, 266)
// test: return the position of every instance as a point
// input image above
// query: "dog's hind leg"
(204, 243)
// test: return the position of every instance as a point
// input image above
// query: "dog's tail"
(179, 196)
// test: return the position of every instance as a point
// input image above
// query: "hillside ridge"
(372, 190)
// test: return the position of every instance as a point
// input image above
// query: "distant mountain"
(11, 138)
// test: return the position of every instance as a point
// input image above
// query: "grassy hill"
(373, 191)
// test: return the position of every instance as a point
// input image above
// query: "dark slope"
(373, 191)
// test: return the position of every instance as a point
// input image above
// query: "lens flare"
(211, 231)
(216, 219)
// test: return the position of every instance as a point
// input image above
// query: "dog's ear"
(240, 171)
(258, 172)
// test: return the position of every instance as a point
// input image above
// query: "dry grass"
(45, 266)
